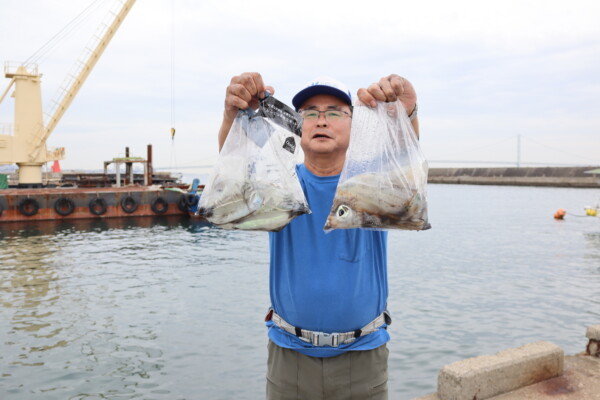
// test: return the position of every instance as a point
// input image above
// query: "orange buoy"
(560, 214)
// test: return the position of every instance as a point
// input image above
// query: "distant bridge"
(457, 162)
(516, 164)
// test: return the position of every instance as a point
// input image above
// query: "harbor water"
(171, 308)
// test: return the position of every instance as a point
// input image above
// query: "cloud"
(485, 72)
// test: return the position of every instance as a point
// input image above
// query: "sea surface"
(173, 308)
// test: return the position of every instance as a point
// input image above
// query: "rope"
(575, 215)
(66, 31)
(172, 66)
(173, 160)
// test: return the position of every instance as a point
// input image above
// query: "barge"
(101, 202)
(77, 195)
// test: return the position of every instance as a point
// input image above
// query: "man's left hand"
(390, 88)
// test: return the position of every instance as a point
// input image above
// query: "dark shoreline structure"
(575, 177)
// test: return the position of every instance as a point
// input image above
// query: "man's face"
(323, 135)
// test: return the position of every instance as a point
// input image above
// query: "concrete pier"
(593, 347)
(524, 176)
(536, 371)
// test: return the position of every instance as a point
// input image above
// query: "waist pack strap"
(329, 339)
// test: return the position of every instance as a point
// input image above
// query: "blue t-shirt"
(326, 282)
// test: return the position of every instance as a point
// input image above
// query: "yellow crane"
(25, 145)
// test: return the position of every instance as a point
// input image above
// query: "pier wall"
(513, 176)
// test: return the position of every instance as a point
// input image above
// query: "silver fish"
(230, 201)
(248, 205)
(272, 220)
(378, 201)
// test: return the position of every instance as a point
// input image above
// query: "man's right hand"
(243, 92)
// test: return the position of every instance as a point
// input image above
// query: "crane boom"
(80, 77)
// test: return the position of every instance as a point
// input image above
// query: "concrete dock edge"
(535, 371)
(593, 334)
(487, 376)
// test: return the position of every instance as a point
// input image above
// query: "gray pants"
(355, 375)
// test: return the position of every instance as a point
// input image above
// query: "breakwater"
(522, 176)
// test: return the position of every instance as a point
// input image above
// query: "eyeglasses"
(330, 115)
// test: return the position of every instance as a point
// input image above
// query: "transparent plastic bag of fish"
(254, 185)
(383, 181)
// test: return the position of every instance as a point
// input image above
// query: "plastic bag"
(254, 185)
(383, 181)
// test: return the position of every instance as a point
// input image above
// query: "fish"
(378, 201)
(252, 205)
(267, 219)
(230, 201)
(254, 185)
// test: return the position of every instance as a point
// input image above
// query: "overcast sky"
(486, 72)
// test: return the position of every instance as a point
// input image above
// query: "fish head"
(342, 216)
(205, 212)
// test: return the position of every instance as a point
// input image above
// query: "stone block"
(483, 377)
(432, 396)
(593, 332)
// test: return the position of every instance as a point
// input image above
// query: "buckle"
(269, 315)
(387, 317)
(325, 339)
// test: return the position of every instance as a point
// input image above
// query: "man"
(328, 291)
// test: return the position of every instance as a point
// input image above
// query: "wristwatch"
(413, 114)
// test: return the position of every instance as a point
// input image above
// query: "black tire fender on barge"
(182, 203)
(187, 201)
(64, 206)
(159, 205)
(29, 207)
(98, 206)
(129, 204)
(191, 200)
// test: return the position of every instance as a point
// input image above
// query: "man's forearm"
(415, 125)
(224, 130)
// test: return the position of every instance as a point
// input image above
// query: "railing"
(10, 67)
(55, 153)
